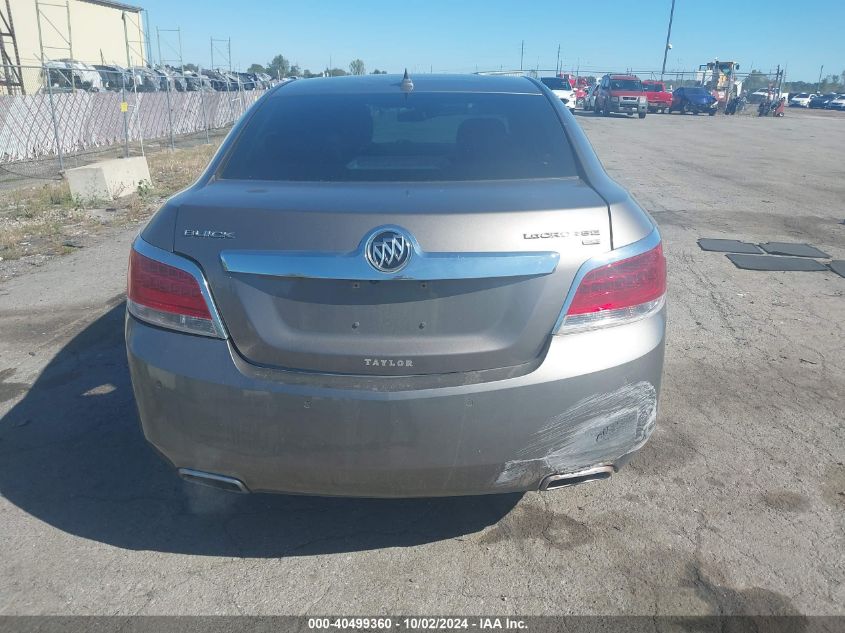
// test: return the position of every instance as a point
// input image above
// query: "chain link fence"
(67, 114)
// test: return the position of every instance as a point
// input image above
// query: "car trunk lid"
(286, 267)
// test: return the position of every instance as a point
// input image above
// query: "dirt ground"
(736, 505)
(42, 220)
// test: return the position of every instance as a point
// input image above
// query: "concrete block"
(108, 179)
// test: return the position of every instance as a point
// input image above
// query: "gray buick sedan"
(395, 286)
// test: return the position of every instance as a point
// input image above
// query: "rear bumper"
(592, 401)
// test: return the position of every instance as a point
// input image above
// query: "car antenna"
(407, 84)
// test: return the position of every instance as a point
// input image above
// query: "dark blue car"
(695, 100)
(821, 101)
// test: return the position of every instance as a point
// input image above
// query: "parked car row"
(619, 93)
(828, 101)
(629, 95)
(66, 75)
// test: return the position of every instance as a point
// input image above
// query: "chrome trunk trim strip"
(422, 265)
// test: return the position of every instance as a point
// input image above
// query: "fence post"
(124, 106)
(242, 94)
(138, 111)
(169, 112)
(202, 107)
(46, 72)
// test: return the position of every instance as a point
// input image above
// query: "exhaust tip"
(221, 482)
(564, 480)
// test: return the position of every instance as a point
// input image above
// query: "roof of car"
(612, 76)
(363, 84)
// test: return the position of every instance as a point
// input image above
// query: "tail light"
(617, 292)
(169, 291)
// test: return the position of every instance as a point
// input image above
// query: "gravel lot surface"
(737, 505)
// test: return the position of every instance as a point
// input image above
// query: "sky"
(470, 35)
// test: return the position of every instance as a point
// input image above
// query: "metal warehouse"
(93, 31)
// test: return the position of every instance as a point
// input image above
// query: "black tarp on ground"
(770, 262)
(727, 246)
(793, 250)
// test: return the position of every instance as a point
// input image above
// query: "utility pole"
(521, 54)
(668, 35)
(557, 66)
(819, 85)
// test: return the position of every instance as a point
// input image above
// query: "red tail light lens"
(620, 291)
(165, 288)
(167, 296)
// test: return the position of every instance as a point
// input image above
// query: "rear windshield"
(555, 83)
(399, 137)
(626, 84)
(695, 91)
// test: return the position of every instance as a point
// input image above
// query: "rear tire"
(712, 113)
(642, 115)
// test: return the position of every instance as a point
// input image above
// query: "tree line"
(829, 83)
(280, 67)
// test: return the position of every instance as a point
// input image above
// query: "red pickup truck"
(659, 99)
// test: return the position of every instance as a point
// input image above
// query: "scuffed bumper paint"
(599, 429)
(592, 400)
